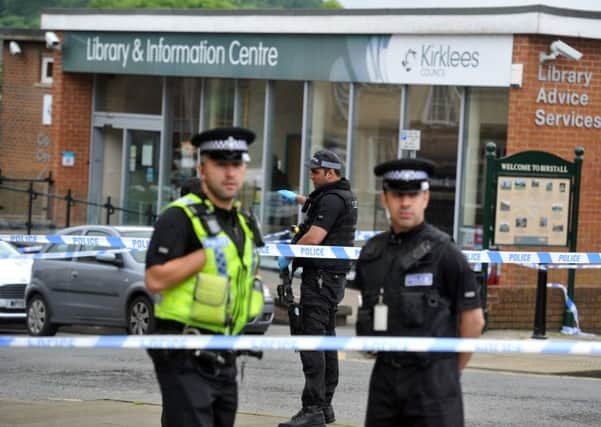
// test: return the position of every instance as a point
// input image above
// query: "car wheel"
(38, 318)
(140, 316)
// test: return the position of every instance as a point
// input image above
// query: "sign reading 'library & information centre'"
(443, 60)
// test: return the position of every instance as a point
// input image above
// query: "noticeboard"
(532, 211)
(531, 199)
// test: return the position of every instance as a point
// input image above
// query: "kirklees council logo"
(409, 59)
(439, 60)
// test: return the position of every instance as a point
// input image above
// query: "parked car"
(102, 290)
(16, 274)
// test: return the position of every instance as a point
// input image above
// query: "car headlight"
(266, 292)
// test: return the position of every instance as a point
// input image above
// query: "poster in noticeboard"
(532, 211)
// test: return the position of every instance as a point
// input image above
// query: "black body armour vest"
(342, 232)
(403, 274)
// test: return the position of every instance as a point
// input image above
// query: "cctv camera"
(52, 40)
(14, 48)
(566, 50)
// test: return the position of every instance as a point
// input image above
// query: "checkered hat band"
(229, 144)
(405, 175)
(330, 165)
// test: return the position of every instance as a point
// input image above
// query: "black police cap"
(225, 143)
(405, 175)
(326, 159)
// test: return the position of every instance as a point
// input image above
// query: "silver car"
(16, 273)
(102, 290)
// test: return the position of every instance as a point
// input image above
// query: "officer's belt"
(404, 360)
(214, 358)
(165, 326)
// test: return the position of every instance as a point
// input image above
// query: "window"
(47, 68)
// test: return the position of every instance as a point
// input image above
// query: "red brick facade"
(25, 143)
(71, 130)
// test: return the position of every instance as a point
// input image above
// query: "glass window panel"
(252, 116)
(487, 112)
(219, 103)
(185, 109)
(286, 154)
(129, 94)
(435, 111)
(329, 117)
(375, 139)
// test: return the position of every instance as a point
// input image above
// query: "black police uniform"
(332, 207)
(425, 282)
(198, 388)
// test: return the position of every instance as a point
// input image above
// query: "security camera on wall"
(560, 48)
(14, 48)
(52, 40)
(566, 50)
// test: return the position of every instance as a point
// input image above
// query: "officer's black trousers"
(320, 294)
(415, 396)
(195, 393)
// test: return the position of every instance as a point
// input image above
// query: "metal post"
(109, 210)
(149, 214)
(568, 317)
(540, 308)
(491, 154)
(31, 192)
(69, 200)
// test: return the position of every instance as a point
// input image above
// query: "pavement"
(79, 413)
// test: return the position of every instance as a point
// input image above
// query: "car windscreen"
(138, 255)
(7, 249)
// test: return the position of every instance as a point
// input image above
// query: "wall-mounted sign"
(47, 110)
(68, 158)
(410, 140)
(482, 60)
(572, 98)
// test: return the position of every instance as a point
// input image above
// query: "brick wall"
(512, 307)
(71, 115)
(524, 134)
(24, 140)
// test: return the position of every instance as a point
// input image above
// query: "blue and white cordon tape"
(306, 251)
(309, 343)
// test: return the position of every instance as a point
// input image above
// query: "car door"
(51, 277)
(98, 287)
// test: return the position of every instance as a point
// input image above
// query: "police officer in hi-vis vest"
(202, 259)
(415, 282)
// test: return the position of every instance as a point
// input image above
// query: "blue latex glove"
(288, 195)
(283, 262)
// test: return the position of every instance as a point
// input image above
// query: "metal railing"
(70, 201)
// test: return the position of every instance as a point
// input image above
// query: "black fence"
(70, 201)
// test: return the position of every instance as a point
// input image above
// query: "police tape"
(313, 251)
(308, 343)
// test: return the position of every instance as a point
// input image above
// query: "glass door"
(141, 175)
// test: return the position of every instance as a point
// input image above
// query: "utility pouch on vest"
(209, 304)
(413, 309)
(295, 318)
(256, 299)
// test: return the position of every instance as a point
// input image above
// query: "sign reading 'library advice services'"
(443, 60)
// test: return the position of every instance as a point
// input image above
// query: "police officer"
(330, 219)
(414, 281)
(201, 259)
